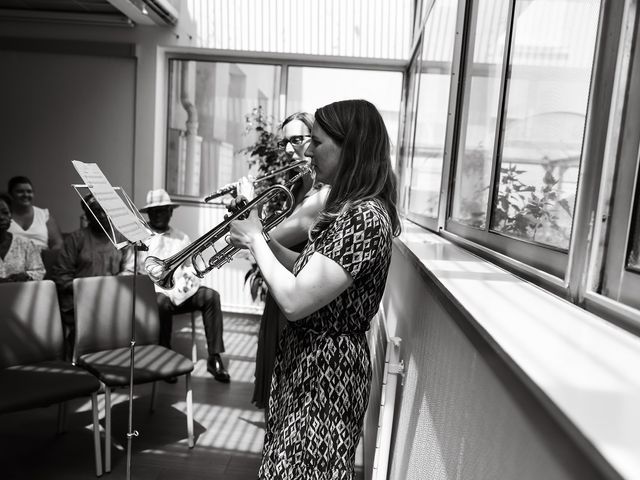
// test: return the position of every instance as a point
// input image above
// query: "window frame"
(619, 180)
(544, 264)
(435, 223)
(284, 61)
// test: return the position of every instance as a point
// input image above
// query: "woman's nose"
(289, 149)
(308, 151)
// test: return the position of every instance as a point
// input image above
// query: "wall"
(462, 413)
(59, 107)
(137, 126)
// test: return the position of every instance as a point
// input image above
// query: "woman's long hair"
(364, 169)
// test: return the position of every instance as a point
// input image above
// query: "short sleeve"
(45, 214)
(353, 240)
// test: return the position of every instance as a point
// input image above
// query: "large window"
(209, 102)
(525, 96)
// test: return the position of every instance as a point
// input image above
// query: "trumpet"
(232, 188)
(161, 271)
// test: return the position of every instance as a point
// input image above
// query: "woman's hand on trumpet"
(243, 233)
(236, 203)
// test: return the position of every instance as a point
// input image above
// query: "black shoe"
(216, 368)
(171, 379)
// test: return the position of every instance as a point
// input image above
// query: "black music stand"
(126, 228)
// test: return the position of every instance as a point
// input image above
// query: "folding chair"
(103, 339)
(32, 372)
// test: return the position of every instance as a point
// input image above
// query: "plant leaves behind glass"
(526, 211)
(265, 154)
(257, 285)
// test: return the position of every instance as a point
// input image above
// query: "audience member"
(188, 295)
(86, 252)
(31, 222)
(19, 258)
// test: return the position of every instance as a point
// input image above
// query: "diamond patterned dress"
(321, 380)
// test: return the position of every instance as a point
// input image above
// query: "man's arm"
(65, 268)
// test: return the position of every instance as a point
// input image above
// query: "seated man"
(86, 252)
(187, 295)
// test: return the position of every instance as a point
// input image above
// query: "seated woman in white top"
(19, 259)
(31, 222)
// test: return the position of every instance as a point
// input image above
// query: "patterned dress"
(321, 380)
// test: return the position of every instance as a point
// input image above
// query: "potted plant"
(265, 156)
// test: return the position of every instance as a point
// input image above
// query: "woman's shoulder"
(369, 208)
(368, 214)
(41, 213)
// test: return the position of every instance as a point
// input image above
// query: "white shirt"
(22, 256)
(164, 245)
(37, 231)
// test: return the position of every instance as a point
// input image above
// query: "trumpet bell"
(159, 272)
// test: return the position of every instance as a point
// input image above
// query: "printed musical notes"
(120, 215)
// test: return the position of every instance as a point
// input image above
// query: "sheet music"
(123, 219)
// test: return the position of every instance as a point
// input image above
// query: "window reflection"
(548, 89)
(208, 102)
(432, 110)
(309, 88)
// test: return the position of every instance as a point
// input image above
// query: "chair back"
(30, 323)
(103, 313)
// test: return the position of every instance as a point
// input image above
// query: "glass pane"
(480, 109)
(433, 106)
(633, 260)
(208, 105)
(309, 88)
(548, 91)
(352, 28)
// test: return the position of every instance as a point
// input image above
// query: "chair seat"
(151, 363)
(43, 384)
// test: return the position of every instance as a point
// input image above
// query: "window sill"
(583, 368)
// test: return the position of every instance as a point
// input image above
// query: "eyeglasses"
(295, 140)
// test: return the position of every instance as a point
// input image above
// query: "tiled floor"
(228, 428)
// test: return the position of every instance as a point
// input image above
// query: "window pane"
(548, 90)
(352, 28)
(208, 102)
(433, 105)
(480, 110)
(309, 88)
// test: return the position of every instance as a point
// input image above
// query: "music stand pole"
(137, 247)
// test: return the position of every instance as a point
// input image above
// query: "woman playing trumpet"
(329, 293)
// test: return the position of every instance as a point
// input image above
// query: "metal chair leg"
(62, 417)
(107, 429)
(96, 434)
(189, 411)
(194, 345)
(152, 406)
